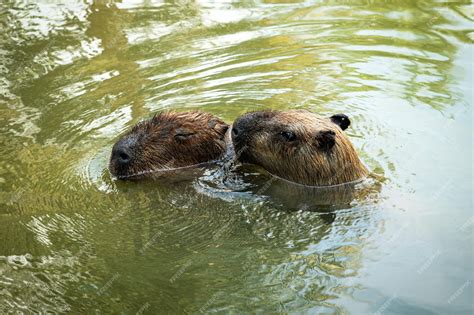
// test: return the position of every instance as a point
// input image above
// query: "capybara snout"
(123, 154)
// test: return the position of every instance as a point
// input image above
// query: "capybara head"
(169, 140)
(299, 146)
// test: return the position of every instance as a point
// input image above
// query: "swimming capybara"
(169, 140)
(298, 146)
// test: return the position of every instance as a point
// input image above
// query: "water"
(74, 77)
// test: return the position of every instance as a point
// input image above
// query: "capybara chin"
(168, 141)
(298, 146)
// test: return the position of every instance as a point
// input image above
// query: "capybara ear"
(224, 128)
(218, 125)
(341, 120)
(212, 123)
(325, 139)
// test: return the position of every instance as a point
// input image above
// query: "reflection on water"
(73, 77)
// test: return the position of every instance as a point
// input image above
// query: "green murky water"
(75, 76)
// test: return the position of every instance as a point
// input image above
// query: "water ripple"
(74, 77)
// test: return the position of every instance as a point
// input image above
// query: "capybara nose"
(240, 126)
(123, 157)
(235, 131)
(122, 154)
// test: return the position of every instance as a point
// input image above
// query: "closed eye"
(288, 135)
(183, 136)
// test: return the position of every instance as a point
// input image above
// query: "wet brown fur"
(173, 140)
(304, 160)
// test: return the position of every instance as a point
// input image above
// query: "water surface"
(73, 77)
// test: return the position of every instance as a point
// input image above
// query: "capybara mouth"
(240, 147)
(131, 175)
(117, 172)
(242, 153)
(240, 139)
(128, 172)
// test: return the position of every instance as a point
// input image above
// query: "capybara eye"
(183, 133)
(183, 136)
(288, 135)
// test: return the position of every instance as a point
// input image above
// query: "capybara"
(168, 141)
(298, 146)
